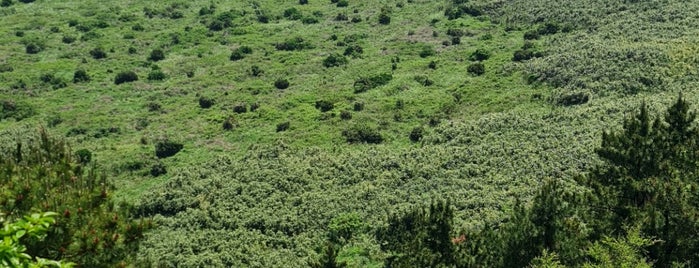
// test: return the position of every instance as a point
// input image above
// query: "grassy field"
(265, 167)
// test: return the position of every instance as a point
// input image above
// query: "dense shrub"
(80, 76)
(324, 105)
(256, 71)
(98, 53)
(384, 18)
(293, 14)
(281, 83)
(573, 99)
(283, 126)
(154, 107)
(309, 20)
(240, 108)
(531, 35)
(125, 77)
(6, 3)
(423, 80)
(167, 148)
(366, 83)
(476, 68)
(303, 2)
(354, 51)
(156, 55)
(84, 156)
(362, 134)
(15, 109)
(335, 60)
(416, 134)
(68, 39)
(342, 3)
(228, 124)
(296, 43)
(345, 115)
(4, 68)
(236, 55)
(205, 102)
(55, 81)
(358, 106)
(33, 47)
(479, 55)
(427, 51)
(156, 75)
(158, 169)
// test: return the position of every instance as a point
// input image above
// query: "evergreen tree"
(420, 238)
(329, 258)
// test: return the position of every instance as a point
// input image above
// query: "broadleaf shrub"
(362, 134)
(125, 77)
(167, 148)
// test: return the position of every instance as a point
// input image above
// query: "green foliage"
(281, 83)
(479, 55)
(17, 110)
(343, 227)
(84, 156)
(362, 133)
(98, 53)
(81, 76)
(364, 84)
(329, 258)
(334, 60)
(42, 173)
(206, 102)
(324, 105)
(628, 251)
(167, 148)
(416, 134)
(296, 43)
(156, 75)
(156, 55)
(420, 237)
(476, 69)
(35, 226)
(125, 77)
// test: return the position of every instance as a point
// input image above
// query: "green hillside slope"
(249, 130)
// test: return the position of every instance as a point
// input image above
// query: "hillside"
(283, 120)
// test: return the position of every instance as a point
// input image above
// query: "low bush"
(80, 76)
(283, 126)
(156, 75)
(240, 108)
(476, 69)
(416, 134)
(362, 134)
(156, 55)
(384, 18)
(158, 169)
(84, 156)
(479, 55)
(324, 105)
(205, 102)
(98, 53)
(167, 148)
(125, 77)
(296, 43)
(366, 83)
(15, 109)
(281, 83)
(335, 60)
(573, 99)
(293, 14)
(427, 51)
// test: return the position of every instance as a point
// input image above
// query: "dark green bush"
(432, 65)
(324, 105)
(205, 102)
(6, 3)
(345, 115)
(33, 47)
(335, 60)
(309, 20)
(548, 29)
(358, 106)
(166, 148)
(476, 68)
(427, 51)
(354, 51)
(158, 169)
(55, 81)
(80, 76)
(156, 75)
(154, 107)
(573, 99)
(342, 3)
(84, 156)
(296, 43)
(303, 2)
(98, 53)
(240, 108)
(256, 71)
(531, 35)
(423, 80)
(293, 14)
(68, 39)
(366, 83)
(237, 55)
(416, 134)
(341, 17)
(15, 109)
(281, 83)
(283, 126)
(5, 68)
(384, 18)
(479, 55)
(362, 134)
(125, 77)
(156, 55)
(228, 124)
